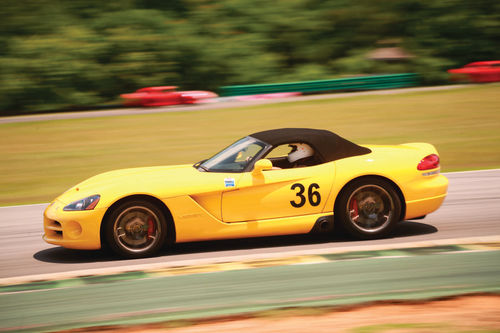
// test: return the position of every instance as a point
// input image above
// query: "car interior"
(279, 157)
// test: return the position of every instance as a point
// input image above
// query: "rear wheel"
(136, 229)
(368, 208)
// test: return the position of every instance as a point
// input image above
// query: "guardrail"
(356, 83)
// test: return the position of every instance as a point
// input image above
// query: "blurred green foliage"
(64, 54)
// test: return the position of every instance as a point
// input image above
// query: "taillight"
(429, 162)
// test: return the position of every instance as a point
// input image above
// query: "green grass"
(420, 328)
(42, 159)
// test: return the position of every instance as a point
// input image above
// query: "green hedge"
(66, 54)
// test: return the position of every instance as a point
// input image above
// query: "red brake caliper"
(151, 227)
(354, 209)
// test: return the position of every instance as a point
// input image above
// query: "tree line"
(57, 54)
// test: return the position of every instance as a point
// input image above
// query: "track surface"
(224, 103)
(471, 209)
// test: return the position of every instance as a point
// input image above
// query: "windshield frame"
(231, 150)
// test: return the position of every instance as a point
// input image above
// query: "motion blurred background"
(68, 54)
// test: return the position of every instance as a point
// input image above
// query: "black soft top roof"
(327, 145)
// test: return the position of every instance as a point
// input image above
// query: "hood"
(159, 181)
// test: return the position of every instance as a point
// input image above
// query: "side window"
(280, 152)
(293, 155)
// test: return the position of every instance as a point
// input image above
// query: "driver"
(301, 155)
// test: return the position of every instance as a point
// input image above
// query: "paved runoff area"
(221, 289)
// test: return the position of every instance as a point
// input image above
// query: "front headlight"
(88, 203)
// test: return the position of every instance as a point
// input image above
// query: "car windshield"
(234, 158)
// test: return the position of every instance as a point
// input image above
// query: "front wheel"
(136, 229)
(368, 208)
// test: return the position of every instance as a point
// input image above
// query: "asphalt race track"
(472, 209)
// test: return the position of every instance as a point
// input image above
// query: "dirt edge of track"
(461, 313)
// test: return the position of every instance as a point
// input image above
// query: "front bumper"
(72, 229)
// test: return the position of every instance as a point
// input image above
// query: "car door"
(278, 193)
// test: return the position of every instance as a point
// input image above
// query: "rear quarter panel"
(397, 163)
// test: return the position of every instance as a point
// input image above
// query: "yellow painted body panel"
(268, 195)
(193, 223)
(399, 165)
(209, 205)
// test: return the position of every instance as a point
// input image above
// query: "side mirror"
(262, 165)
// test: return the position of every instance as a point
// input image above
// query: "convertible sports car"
(479, 72)
(276, 182)
(166, 95)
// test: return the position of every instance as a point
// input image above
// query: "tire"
(136, 229)
(367, 208)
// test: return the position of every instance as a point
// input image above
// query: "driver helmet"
(299, 151)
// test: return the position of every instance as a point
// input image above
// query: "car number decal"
(313, 196)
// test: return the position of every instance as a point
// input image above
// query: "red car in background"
(479, 71)
(166, 95)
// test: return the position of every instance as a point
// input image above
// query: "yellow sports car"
(276, 182)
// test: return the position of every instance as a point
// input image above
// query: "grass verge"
(42, 159)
